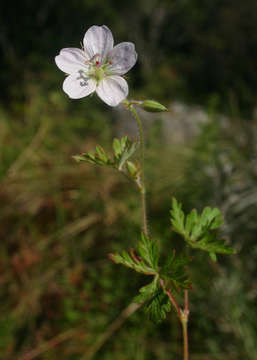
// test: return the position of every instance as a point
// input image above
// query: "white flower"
(97, 67)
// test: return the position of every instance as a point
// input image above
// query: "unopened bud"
(153, 106)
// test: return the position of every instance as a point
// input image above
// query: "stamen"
(95, 60)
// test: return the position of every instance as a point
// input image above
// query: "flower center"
(97, 70)
(98, 73)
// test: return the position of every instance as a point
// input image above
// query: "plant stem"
(186, 302)
(184, 321)
(182, 315)
(185, 337)
(142, 160)
(171, 297)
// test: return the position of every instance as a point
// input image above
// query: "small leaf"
(145, 292)
(116, 147)
(174, 271)
(101, 154)
(91, 155)
(157, 303)
(78, 158)
(148, 250)
(191, 220)
(198, 230)
(213, 256)
(130, 261)
(177, 217)
(126, 154)
(123, 142)
(158, 306)
(132, 169)
(210, 244)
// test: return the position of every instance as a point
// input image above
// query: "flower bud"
(153, 106)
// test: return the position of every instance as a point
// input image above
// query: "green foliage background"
(58, 219)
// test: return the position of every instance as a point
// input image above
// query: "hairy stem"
(142, 160)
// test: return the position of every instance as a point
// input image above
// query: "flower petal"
(98, 40)
(78, 86)
(122, 58)
(70, 60)
(112, 90)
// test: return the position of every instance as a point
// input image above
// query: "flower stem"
(142, 160)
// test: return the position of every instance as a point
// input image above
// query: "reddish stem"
(171, 297)
(186, 309)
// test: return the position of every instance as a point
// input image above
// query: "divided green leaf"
(123, 149)
(146, 261)
(198, 229)
(177, 217)
(145, 293)
(157, 303)
(174, 271)
(158, 306)
(148, 250)
(128, 148)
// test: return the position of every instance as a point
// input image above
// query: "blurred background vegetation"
(59, 220)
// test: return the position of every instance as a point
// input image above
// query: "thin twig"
(71, 229)
(112, 328)
(19, 162)
(50, 344)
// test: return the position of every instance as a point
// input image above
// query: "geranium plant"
(98, 67)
